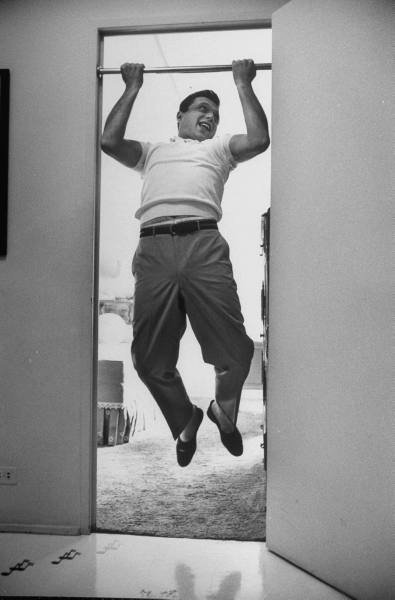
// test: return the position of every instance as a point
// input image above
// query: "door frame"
(101, 32)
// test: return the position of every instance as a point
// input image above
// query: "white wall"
(330, 462)
(46, 279)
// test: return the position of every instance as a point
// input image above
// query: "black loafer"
(186, 450)
(233, 441)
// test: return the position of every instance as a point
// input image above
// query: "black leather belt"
(181, 228)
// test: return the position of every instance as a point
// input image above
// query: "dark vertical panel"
(4, 143)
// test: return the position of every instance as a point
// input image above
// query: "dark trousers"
(176, 276)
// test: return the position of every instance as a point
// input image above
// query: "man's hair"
(186, 103)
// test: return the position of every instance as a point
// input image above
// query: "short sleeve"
(223, 150)
(140, 165)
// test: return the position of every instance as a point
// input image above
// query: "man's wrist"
(132, 88)
(244, 87)
(243, 84)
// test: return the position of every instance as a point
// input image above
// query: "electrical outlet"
(8, 476)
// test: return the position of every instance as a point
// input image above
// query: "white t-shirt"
(184, 177)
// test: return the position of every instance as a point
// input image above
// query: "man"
(181, 265)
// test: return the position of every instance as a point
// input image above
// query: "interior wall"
(330, 416)
(46, 289)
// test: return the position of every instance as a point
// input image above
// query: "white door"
(329, 412)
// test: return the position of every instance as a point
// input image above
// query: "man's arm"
(256, 140)
(113, 142)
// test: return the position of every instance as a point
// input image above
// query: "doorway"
(140, 487)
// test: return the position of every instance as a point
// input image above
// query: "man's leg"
(213, 307)
(158, 324)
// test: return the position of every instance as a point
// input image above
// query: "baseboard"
(42, 529)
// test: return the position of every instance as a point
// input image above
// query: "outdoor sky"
(247, 192)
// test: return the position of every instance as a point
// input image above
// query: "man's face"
(200, 121)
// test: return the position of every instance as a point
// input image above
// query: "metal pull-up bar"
(194, 69)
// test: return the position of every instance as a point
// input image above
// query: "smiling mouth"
(205, 126)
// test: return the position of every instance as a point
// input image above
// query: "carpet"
(143, 491)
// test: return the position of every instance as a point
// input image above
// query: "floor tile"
(123, 566)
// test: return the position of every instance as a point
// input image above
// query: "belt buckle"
(185, 227)
(178, 228)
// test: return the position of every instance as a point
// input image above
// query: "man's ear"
(179, 115)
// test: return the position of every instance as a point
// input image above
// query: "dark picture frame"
(4, 152)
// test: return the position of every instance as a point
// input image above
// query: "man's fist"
(244, 70)
(132, 74)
